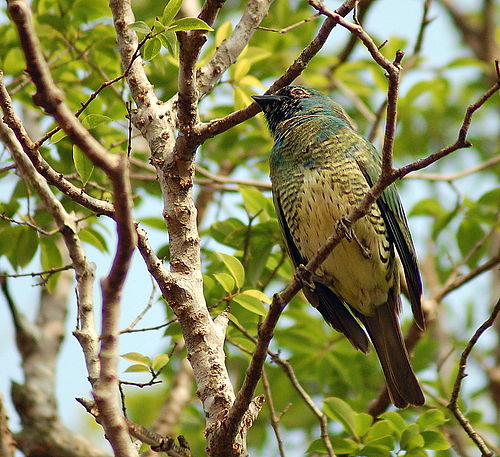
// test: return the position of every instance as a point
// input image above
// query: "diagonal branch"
(43, 168)
(218, 126)
(387, 177)
(453, 404)
(47, 339)
(229, 50)
(48, 95)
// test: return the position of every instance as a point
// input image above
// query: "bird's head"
(299, 102)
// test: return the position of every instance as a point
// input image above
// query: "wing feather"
(397, 226)
(332, 308)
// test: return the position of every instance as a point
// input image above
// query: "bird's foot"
(304, 276)
(350, 235)
(364, 250)
(345, 224)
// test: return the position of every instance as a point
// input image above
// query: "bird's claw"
(304, 276)
(345, 224)
(350, 235)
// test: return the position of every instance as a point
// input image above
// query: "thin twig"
(460, 174)
(453, 404)
(148, 329)
(290, 373)
(290, 27)
(143, 312)
(158, 442)
(48, 272)
(224, 180)
(218, 126)
(272, 412)
(28, 224)
(461, 280)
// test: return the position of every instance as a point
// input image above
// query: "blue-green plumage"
(321, 168)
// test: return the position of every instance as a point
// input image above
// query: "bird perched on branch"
(320, 169)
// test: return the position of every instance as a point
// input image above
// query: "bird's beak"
(265, 100)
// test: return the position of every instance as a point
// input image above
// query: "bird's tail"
(386, 336)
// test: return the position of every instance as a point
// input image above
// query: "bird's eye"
(299, 93)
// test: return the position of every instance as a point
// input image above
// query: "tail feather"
(335, 312)
(386, 336)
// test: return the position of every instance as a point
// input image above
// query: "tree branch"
(387, 177)
(51, 98)
(42, 345)
(453, 404)
(48, 95)
(218, 126)
(7, 443)
(229, 50)
(43, 168)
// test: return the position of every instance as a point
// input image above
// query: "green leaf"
(151, 48)
(396, 420)
(230, 232)
(240, 69)
(250, 303)
(9, 209)
(411, 438)
(169, 42)
(83, 165)
(435, 440)
(233, 318)
(417, 452)
(26, 245)
(317, 447)
(58, 136)
(338, 409)
(344, 445)
(137, 369)
(189, 23)
(223, 32)
(91, 236)
(50, 257)
(159, 362)
(427, 207)
(140, 27)
(255, 202)
(381, 430)
(158, 26)
(254, 54)
(468, 234)
(9, 236)
(170, 11)
(93, 120)
(251, 81)
(431, 419)
(241, 99)
(154, 222)
(226, 281)
(260, 248)
(376, 450)
(235, 268)
(137, 357)
(363, 422)
(259, 295)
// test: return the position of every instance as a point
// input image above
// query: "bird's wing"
(331, 307)
(369, 161)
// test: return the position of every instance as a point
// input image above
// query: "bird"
(320, 168)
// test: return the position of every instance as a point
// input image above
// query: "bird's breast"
(360, 269)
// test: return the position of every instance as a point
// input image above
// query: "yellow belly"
(358, 270)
